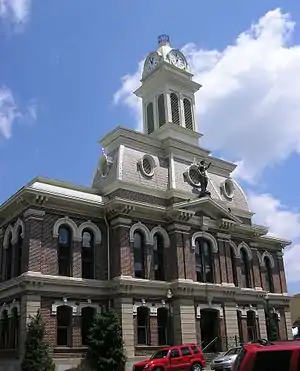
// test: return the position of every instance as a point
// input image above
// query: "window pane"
(64, 236)
(138, 246)
(275, 361)
(87, 239)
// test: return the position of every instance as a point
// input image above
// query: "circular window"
(192, 175)
(228, 188)
(103, 165)
(147, 165)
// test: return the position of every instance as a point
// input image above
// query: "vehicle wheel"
(158, 369)
(196, 367)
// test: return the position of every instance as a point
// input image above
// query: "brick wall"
(40, 253)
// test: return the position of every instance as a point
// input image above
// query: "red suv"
(177, 358)
(264, 355)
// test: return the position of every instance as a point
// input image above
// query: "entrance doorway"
(210, 330)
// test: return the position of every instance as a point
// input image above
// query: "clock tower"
(168, 94)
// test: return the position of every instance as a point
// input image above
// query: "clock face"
(177, 59)
(152, 62)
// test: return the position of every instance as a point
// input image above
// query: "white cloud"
(282, 222)
(249, 105)
(15, 11)
(10, 112)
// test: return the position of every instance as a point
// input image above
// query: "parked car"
(263, 355)
(182, 357)
(225, 361)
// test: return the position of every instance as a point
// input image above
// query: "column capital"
(34, 214)
(120, 222)
(223, 236)
(180, 228)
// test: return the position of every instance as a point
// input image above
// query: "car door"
(175, 360)
(186, 358)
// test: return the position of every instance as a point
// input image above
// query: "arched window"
(139, 256)
(188, 116)
(87, 254)
(163, 326)
(18, 270)
(4, 329)
(150, 118)
(158, 257)
(64, 251)
(8, 259)
(161, 110)
(87, 317)
(14, 328)
(204, 261)
(175, 108)
(143, 328)
(245, 268)
(233, 265)
(269, 276)
(251, 325)
(64, 326)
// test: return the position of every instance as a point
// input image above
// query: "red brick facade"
(40, 255)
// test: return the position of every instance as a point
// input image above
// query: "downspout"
(108, 253)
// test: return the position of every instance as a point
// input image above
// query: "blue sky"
(62, 87)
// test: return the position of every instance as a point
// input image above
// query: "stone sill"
(67, 351)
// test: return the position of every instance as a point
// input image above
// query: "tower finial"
(163, 39)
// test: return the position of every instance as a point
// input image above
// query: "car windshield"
(160, 354)
(232, 351)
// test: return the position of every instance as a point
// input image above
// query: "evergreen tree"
(105, 343)
(36, 357)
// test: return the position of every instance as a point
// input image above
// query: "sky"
(68, 69)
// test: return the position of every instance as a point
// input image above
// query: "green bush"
(36, 356)
(105, 343)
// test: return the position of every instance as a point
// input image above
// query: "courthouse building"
(179, 265)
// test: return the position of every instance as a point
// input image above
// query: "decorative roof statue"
(203, 178)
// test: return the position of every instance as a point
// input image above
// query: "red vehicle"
(263, 355)
(177, 358)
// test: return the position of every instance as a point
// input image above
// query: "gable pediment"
(206, 206)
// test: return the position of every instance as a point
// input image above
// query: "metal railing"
(209, 344)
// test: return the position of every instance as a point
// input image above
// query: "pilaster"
(76, 259)
(181, 256)
(282, 276)
(223, 260)
(231, 320)
(256, 267)
(184, 321)
(288, 323)
(32, 256)
(124, 307)
(30, 305)
(121, 248)
(262, 323)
